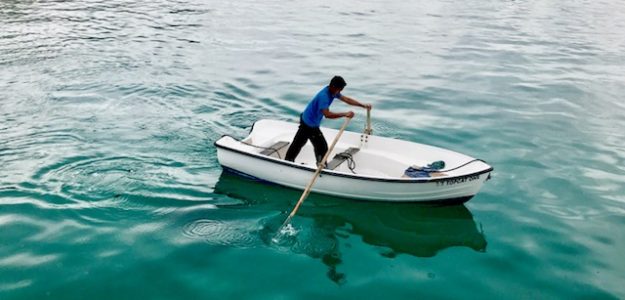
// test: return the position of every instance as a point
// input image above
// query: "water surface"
(110, 186)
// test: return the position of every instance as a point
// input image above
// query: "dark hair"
(338, 82)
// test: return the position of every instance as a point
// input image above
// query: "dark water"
(110, 186)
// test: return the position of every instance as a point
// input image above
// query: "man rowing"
(315, 111)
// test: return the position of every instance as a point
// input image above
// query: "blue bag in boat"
(420, 172)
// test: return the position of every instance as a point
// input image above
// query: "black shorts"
(304, 134)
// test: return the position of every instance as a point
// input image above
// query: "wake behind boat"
(364, 167)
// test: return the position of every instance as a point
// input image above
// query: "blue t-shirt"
(312, 115)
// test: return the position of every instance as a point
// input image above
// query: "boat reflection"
(393, 228)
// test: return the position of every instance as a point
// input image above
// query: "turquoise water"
(110, 187)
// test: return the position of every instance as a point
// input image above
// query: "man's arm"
(332, 115)
(354, 102)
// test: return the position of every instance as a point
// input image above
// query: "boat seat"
(274, 148)
(341, 157)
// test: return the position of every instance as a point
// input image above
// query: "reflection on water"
(324, 221)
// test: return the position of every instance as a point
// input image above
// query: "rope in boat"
(351, 164)
(276, 151)
(460, 166)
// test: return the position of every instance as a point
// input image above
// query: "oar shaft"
(368, 121)
(368, 130)
(319, 168)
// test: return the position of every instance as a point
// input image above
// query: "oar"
(368, 130)
(364, 137)
(314, 178)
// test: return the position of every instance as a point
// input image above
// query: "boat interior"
(350, 159)
(362, 155)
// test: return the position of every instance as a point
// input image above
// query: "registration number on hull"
(457, 180)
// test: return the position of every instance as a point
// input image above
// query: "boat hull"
(450, 201)
(457, 189)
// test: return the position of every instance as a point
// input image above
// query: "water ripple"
(227, 233)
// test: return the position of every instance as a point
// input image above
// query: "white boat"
(368, 167)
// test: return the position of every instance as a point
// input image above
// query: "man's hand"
(367, 106)
(349, 114)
